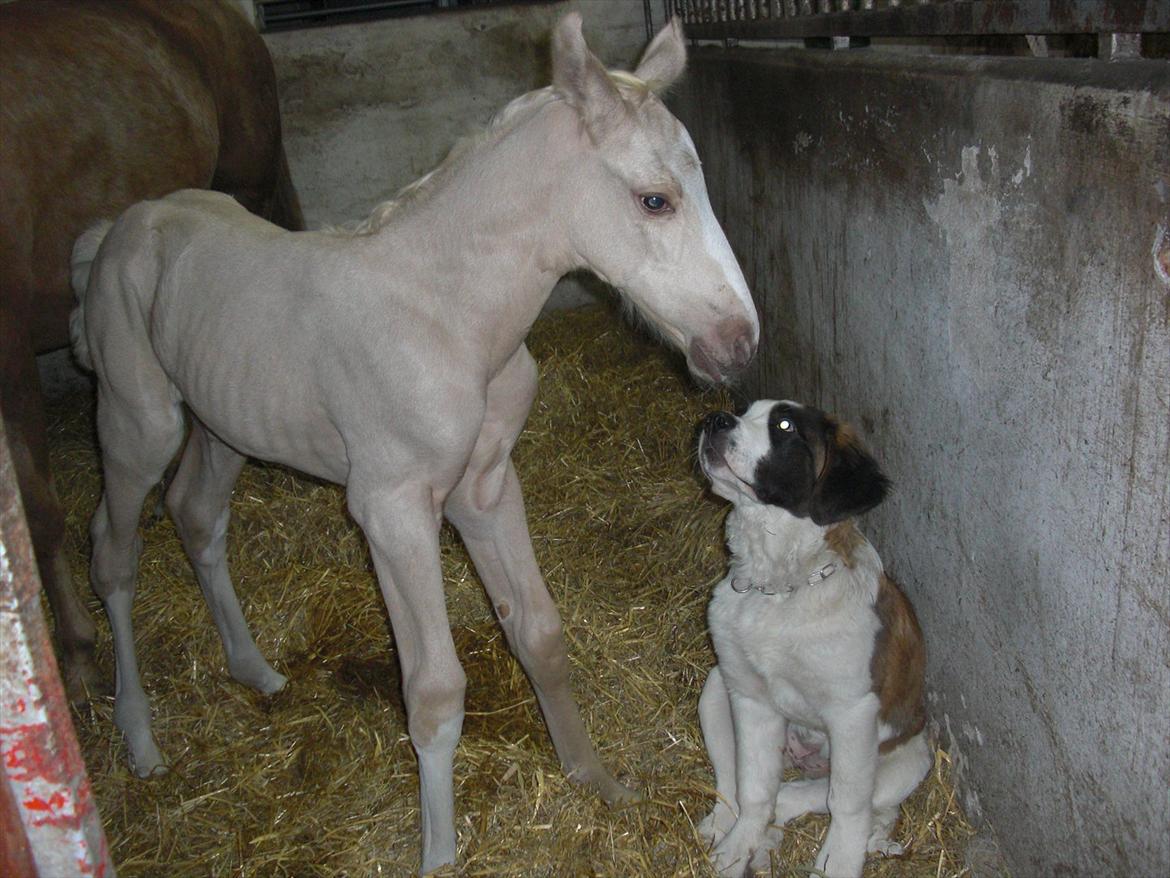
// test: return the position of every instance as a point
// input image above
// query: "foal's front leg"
(488, 509)
(402, 527)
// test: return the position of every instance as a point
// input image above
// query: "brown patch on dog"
(898, 665)
(844, 435)
(835, 436)
(820, 452)
(843, 539)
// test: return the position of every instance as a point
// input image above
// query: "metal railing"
(272, 15)
(836, 19)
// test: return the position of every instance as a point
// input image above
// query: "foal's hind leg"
(198, 502)
(488, 509)
(137, 442)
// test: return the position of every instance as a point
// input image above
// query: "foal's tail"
(85, 250)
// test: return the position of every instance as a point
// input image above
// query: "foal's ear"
(581, 78)
(851, 482)
(665, 58)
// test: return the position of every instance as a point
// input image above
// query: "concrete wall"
(370, 107)
(962, 256)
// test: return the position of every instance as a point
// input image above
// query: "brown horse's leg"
(76, 633)
(285, 206)
(24, 419)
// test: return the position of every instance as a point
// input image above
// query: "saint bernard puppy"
(820, 654)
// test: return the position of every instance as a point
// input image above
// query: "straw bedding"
(320, 778)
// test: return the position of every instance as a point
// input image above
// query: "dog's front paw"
(717, 824)
(839, 857)
(887, 847)
(745, 851)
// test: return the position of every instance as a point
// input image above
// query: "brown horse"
(104, 103)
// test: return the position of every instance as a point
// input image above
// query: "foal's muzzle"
(725, 352)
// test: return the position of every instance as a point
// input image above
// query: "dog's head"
(792, 456)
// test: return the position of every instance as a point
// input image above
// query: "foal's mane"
(514, 114)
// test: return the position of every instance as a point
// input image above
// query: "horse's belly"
(276, 421)
(312, 446)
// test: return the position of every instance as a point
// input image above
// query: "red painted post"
(43, 771)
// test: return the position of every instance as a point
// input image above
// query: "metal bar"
(1038, 44)
(273, 15)
(40, 760)
(953, 18)
(1119, 47)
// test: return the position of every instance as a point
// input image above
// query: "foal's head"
(641, 218)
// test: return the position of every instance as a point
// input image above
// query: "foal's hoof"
(148, 764)
(619, 794)
(148, 772)
(611, 792)
(260, 676)
(614, 793)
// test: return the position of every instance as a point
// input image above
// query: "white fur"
(794, 660)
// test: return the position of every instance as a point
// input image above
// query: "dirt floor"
(320, 778)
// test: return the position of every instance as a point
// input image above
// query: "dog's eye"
(786, 425)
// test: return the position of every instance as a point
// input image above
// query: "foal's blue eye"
(655, 203)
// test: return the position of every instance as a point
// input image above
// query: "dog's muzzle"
(718, 422)
(713, 436)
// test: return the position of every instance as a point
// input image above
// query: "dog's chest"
(804, 651)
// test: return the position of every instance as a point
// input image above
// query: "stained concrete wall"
(962, 256)
(370, 107)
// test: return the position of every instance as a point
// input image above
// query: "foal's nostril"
(735, 338)
(743, 351)
(717, 422)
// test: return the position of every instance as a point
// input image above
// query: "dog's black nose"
(717, 422)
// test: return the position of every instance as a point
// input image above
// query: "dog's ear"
(850, 483)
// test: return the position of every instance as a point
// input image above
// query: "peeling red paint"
(57, 809)
(39, 754)
(95, 866)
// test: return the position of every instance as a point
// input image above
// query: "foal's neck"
(492, 228)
